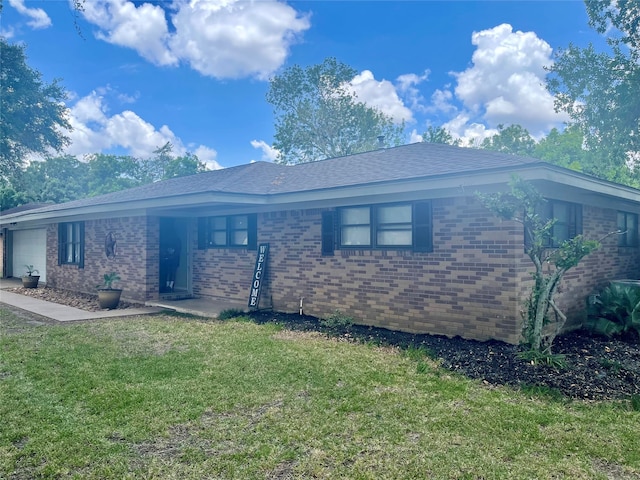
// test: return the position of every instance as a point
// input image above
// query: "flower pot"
(109, 299)
(30, 281)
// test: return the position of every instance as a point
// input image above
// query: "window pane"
(239, 223)
(356, 235)
(394, 214)
(395, 237)
(219, 238)
(560, 212)
(355, 216)
(218, 223)
(240, 238)
(621, 221)
(560, 234)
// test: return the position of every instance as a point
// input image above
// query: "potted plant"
(30, 280)
(109, 297)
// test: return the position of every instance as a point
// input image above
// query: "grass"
(167, 397)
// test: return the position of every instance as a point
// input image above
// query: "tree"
(599, 90)
(57, 180)
(33, 116)
(565, 149)
(111, 173)
(513, 139)
(165, 165)
(439, 135)
(319, 116)
(522, 204)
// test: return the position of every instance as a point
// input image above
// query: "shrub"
(615, 311)
(230, 313)
(337, 321)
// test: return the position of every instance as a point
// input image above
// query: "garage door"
(30, 248)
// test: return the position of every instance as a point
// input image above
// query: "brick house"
(394, 237)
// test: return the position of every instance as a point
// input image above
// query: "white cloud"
(415, 137)
(218, 38)
(269, 154)
(441, 101)
(471, 133)
(506, 83)
(95, 131)
(142, 28)
(39, 18)
(231, 39)
(381, 95)
(407, 87)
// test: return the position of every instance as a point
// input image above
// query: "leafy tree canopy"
(599, 90)
(439, 135)
(513, 139)
(319, 116)
(33, 116)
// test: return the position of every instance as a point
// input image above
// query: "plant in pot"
(109, 297)
(30, 280)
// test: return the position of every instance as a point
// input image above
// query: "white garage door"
(30, 248)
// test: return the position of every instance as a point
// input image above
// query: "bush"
(230, 313)
(337, 321)
(615, 311)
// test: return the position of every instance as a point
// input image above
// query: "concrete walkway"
(63, 313)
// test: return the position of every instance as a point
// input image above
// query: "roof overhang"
(551, 181)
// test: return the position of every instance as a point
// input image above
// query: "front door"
(174, 256)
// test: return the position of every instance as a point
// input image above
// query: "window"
(568, 221)
(406, 225)
(628, 224)
(228, 232)
(71, 244)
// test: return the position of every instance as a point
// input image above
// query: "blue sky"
(196, 72)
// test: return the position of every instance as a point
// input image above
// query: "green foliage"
(522, 204)
(230, 313)
(537, 357)
(635, 403)
(108, 279)
(439, 135)
(319, 116)
(565, 149)
(337, 321)
(30, 270)
(599, 90)
(615, 311)
(57, 180)
(513, 139)
(33, 116)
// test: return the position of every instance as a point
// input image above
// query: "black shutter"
(202, 233)
(422, 227)
(328, 233)
(81, 242)
(252, 232)
(61, 243)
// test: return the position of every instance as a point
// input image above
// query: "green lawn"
(169, 397)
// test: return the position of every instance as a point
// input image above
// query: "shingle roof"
(418, 160)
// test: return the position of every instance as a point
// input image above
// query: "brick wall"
(473, 284)
(610, 262)
(136, 260)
